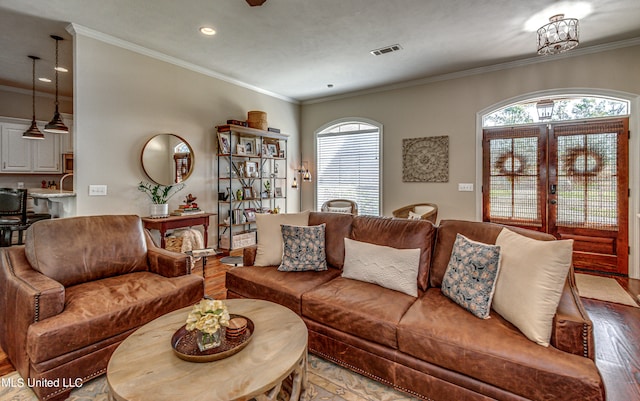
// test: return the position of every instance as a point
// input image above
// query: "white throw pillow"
(530, 282)
(269, 252)
(414, 216)
(396, 269)
(334, 209)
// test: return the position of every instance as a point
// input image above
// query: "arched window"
(349, 164)
(560, 108)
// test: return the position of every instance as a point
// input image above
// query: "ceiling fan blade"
(254, 3)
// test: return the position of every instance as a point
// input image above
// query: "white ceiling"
(295, 48)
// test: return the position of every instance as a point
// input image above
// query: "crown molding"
(75, 29)
(483, 70)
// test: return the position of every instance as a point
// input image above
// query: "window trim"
(358, 120)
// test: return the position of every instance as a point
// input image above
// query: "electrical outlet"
(465, 187)
(97, 190)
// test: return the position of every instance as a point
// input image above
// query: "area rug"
(603, 289)
(326, 382)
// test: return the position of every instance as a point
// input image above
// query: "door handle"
(552, 189)
(553, 201)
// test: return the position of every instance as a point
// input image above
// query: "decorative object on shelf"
(273, 147)
(278, 192)
(241, 150)
(257, 119)
(249, 146)
(247, 193)
(250, 214)
(267, 187)
(558, 36)
(56, 126)
(33, 132)
(208, 316)
(238, 122)
(224, 147)
(425, 159)
(239, 194)
(545, 109)
(159, 195)
(251, 169)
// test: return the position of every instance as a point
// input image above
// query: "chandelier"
(558, 36)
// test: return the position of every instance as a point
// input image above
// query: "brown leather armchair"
(77, 288)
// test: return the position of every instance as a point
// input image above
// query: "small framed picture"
(265, 151)
(223, 144)
(250, 214)
(278, 192)
(247, 193)
(281, 153)
(249, 145)
(251, 169)
(273, 150)
(241, 150)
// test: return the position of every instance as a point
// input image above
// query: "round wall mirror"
(167, 159)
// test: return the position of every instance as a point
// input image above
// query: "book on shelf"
(238, 122)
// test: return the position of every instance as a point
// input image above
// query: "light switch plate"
(97, 190)
(465, 187)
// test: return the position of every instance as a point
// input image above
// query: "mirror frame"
(158, 179)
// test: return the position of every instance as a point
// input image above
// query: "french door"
(567, 179)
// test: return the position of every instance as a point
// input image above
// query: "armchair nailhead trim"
(36, 299)
(367, 374)
(585, 340)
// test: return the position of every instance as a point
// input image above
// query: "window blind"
(348, 167)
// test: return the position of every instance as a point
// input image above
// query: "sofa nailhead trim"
(367, 374)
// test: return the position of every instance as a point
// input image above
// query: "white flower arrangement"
(208, 316)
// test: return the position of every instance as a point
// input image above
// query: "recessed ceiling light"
(207, 30)
(43, 79)
(60, 69)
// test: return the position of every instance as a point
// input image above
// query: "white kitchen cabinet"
(20, 155)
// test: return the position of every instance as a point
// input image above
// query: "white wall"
(123, 98)
(450, 107)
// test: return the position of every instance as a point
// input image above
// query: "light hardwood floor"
(617, 328)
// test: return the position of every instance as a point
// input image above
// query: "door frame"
(634, 162)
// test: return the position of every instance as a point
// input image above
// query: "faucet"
(62, 179)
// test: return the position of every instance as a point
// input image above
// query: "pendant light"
(56, 126)
(33, 132)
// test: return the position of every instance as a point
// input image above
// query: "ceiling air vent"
(385, 50)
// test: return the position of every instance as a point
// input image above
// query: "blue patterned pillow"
(470, 279)
(303, 248)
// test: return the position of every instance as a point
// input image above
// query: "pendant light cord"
(57, 41)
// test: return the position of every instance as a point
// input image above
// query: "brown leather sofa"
(76, 289)
(426, 346)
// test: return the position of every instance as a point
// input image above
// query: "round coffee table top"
(144, 367)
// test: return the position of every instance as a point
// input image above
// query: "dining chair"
(13, 214)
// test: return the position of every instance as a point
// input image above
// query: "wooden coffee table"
(144, 367)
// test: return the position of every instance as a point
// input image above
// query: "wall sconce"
(304, 173)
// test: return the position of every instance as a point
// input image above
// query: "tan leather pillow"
(530, 282)
(269, 252)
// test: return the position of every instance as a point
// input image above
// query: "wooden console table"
(167, 223)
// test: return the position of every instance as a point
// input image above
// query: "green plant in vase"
(267, 187)
(159, 195)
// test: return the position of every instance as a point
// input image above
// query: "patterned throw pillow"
(303, 248)
(470, 278)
